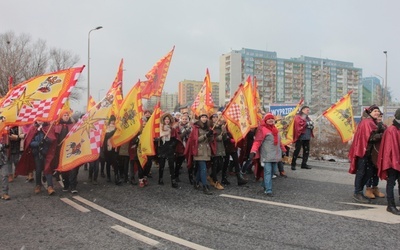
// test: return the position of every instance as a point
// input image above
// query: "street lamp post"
(385, 93)
(88, 64)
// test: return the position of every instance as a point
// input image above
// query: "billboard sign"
(282, 109)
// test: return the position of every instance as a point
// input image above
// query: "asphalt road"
(312, 209)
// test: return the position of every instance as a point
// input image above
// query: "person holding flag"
(303, 132)
(184, 128)
(110, 153)
(166, 148)
(360, 160)
(65, 124)
(39, 138)
(218, 150)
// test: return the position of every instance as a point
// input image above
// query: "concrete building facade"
(320, 82)
(188, 90)
(372, 91)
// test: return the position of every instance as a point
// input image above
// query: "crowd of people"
(210, 152)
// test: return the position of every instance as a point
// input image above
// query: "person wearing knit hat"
(267, 144)
(302, 134)
(372, 190)
(371, 108)
(389, 161)
(359, 154)
(177, 116)
(198, 151)
(166, 148)
(269, 116)
(61, 130)
(218, 150)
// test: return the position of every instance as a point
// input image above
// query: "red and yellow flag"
(82, 143)
(237, 112)
(341, 116)
(91, 103)
(154, 84)
(129, 117)
(248, 92)
(286, 131)
(40, 98)
(146, 140)
(117, 84)
(204, 101)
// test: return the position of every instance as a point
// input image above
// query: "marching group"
(209, 150)
(204, 143)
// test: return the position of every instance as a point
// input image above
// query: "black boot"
(240, 180)
(225, 181)
(117, 179)
(174, 184)
(160, 176)
(206, 190)
(391, 208)
(190, 172)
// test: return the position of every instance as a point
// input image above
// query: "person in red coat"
(389, 160)
(65, 124)
(302, 134)
(360, 159)
(39, 140)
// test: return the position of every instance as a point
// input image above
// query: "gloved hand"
(210, 133)
(381, 128)
(251, 156)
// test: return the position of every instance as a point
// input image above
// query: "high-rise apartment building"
(372, 91)
(188, 90)
(168, 102)
(320, 82)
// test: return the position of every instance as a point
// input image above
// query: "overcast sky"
(141, 32)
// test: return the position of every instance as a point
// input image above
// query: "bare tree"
(63, 59)
(22, 58)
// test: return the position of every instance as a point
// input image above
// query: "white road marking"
(75, 205)
(375, 213)
(141, 226)
(136, 236)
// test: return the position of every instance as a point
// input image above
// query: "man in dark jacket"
(303, 131)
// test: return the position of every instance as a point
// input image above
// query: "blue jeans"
(269, 168)
(363, 174)
(201, 174)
